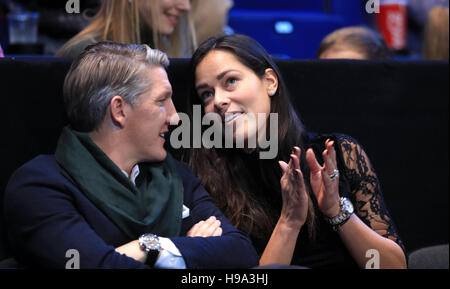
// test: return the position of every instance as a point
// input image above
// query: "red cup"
(392, 23)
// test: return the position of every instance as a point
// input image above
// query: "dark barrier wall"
(398, 111)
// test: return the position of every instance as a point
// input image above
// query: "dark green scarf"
(153, 205)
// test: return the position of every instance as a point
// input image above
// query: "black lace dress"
(358, 182)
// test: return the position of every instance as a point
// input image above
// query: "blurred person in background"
(419, 9)
(162, 24)
(211, 18)
(355, 42)
(435, 46)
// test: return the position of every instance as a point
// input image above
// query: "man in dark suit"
(111, 196)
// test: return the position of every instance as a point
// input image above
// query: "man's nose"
(172, 117)
(184, 5)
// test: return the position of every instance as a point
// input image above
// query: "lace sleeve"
(365, 188)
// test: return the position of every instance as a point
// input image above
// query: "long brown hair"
(121, 21)
(225, 173)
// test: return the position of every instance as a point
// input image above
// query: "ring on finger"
(334, 175)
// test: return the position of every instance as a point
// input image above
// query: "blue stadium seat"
(294, 29)
(280, 4)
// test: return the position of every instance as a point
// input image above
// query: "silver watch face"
(344, 214)
(347, 206)
(149, 242)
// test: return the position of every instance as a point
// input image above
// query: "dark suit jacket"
(46, 215)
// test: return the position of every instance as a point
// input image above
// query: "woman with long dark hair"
(297, 207)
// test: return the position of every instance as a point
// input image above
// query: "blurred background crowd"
(303, 29)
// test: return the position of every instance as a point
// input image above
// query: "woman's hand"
(295, 198)
(209, 228)
(325, 188)
(294, 211)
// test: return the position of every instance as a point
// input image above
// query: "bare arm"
(359, 239)
(280, 248)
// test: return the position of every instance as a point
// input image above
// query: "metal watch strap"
(344, 215)
(337, 226)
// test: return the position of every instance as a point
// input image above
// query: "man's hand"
(209, 228)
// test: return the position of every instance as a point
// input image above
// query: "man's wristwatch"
(346, 211)
(150, 244)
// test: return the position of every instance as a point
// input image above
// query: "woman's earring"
(272, 92)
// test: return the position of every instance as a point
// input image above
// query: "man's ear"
(117, 107)
(271, 81)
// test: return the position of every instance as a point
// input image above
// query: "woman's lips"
(229, 117)
(173, 19)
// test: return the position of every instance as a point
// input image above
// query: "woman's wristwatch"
(150, 244)
(346, 211)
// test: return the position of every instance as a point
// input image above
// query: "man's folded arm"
(44, 225)
(231, 250)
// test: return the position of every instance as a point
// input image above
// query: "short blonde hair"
(102, 71)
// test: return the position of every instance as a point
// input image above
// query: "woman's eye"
(205, 95)
(231, 81)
